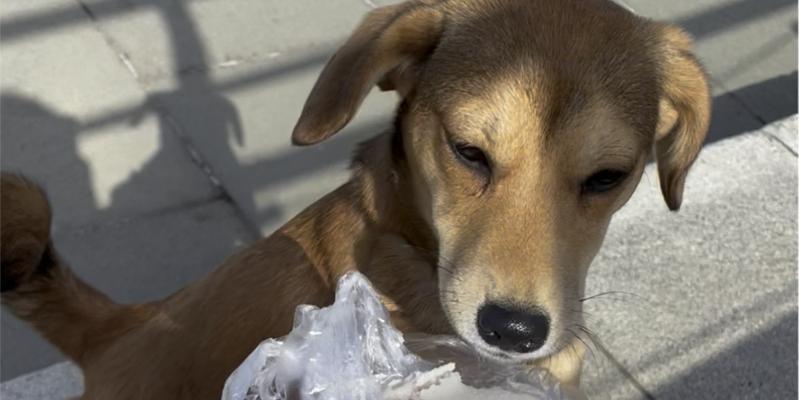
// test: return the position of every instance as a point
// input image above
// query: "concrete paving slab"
(729, 117)
(236, 94)
(56, 130)
(712, 309)
(131, 260)
(786, 133)
(243, 132)
(749, 47)
(162, 38)
(57, 382)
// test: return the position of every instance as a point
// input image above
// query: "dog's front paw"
(24, 230)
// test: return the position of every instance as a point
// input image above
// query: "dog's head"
(527, 125)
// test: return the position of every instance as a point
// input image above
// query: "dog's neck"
(339, 229)
(372, 224)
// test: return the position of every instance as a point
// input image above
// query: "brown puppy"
(524, 125)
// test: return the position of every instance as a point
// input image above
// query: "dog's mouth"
(498, 356)
(509, 358)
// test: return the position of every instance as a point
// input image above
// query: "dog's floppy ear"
(382, 49)
(684, 112)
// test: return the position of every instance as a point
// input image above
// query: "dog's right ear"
(389, 43)
(684, 112)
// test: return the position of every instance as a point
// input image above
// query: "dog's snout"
(510, 329)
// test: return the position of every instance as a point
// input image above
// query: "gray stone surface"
(57, 382)
(113, 176)
(269, 179)
(161, 37)
(785, 133)
(708, 308)
(237, 93)
(748, 47)
(53, 126)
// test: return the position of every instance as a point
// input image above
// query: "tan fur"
(686, 107)
(552, 91)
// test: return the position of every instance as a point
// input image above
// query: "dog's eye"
(603, 181)
(473, 157)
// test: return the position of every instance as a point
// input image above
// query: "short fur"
(552, 91)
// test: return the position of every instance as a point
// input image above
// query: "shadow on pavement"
(212, 114)
(761, 367)
(723, 17)
(732, 116)
(52, 139)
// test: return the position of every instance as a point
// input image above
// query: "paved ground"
(161, 131)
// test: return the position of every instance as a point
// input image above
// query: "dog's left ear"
(386, 47)
(684, 112)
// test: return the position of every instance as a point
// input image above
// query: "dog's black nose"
(512, 329)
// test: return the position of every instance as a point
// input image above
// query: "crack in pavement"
(624, 371)
(761, 120)
(781, 142)
(172, 125)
